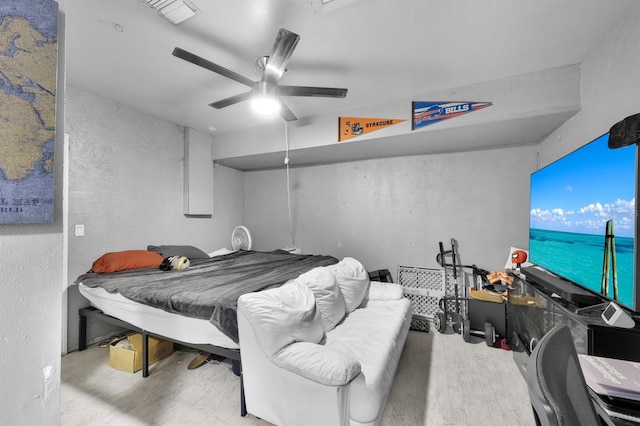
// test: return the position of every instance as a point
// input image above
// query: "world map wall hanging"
(28, 72)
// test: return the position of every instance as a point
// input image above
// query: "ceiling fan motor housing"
(273, 67)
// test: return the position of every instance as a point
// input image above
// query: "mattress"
(209, 288)
(157, 321)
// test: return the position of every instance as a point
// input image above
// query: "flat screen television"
(583, 220)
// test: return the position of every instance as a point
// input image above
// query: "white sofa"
(322, 349)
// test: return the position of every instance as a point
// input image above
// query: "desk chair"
(557, 390)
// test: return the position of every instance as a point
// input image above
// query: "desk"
(532, 311)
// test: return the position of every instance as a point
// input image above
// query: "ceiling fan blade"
(201, 62)
(283, 47)
(330, 92)
(231, 100)
(286, 113)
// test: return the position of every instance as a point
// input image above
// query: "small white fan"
(241, 238)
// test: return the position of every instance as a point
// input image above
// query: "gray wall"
(392, 212)
(610, 90)
(126, 173)
(31, 265)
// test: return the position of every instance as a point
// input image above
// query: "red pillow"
(125, 260)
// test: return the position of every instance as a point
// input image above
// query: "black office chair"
(557, 390)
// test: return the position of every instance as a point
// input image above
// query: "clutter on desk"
(612, 377)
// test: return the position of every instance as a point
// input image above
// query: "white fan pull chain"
(286, 162)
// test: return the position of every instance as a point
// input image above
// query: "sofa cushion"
(375, 336)
(318, 363)
(283, 315)
(353, 281)
(328, 297)
(383, 291)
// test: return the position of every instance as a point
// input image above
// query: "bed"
(195, 307)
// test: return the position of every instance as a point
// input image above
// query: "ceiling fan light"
(265, 105)
(264, 100)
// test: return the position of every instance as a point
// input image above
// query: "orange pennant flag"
(350, 127)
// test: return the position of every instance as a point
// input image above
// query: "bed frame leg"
(82, 333)
(145, 354)
(236, 367)
(243, 404)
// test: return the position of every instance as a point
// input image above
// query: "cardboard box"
(130, 360)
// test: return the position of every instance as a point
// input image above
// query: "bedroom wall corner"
(198, 174)
(126, 173)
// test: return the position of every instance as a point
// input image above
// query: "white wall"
(391, 212)
(31, 261)
(30, 313)
(126, 188)
(610, 90)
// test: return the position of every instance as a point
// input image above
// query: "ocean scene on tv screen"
(571, 201)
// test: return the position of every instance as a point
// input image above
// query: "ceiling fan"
(273, 67)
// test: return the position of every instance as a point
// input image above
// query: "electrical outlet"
(79, 231)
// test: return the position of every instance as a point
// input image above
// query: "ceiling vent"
(325, 6)
(174, 11)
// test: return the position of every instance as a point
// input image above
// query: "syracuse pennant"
(350, 127)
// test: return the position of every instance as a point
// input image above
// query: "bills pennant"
(350, 127)
(426, 113)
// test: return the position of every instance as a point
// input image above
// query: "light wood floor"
(441, 380)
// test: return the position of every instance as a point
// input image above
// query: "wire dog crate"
(424, 287)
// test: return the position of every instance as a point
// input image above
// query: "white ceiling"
(380, 50)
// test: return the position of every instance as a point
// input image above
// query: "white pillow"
(328, 297)
(220, 252)
(282, 315)
(353, 282)
(384, 291)
(318, 363)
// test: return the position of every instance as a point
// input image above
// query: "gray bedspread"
(208, 289)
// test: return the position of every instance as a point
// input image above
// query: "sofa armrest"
(317, 363)
(383, 291)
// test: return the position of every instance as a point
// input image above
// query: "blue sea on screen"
(579, 258)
